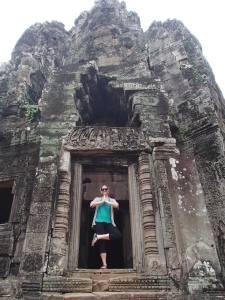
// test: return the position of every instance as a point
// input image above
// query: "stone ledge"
(66, 285)
(142, 283)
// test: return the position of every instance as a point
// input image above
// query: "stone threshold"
(91, 273)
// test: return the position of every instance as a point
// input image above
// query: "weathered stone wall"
(135, 100)
(197, 110)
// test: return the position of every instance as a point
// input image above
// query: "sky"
(204, 19)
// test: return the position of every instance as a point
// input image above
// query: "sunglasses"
(106, 189)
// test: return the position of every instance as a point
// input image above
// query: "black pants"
(104, 228)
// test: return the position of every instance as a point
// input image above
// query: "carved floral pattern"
(148, 214)
(114, 138)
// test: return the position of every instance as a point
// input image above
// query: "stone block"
(42, 194)
(35, 242)
(6, 242)
(5, 288)
(10, 289)
(4, 266)
(100, 285)
(39, 223)
(40, 208)
(195, 238)
(32, 263)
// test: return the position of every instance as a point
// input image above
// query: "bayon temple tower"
(140, 112)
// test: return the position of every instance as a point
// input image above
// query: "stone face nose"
(108, 31)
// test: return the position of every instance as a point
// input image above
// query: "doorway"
(6, 200)
(119, 253)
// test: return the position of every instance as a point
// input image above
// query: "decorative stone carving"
(58, 247)
(97, 138)
(58, 252)
(70, 285)
(144, 283)
(28, 64)
(148, 214)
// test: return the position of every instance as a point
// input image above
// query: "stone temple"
(106, 103)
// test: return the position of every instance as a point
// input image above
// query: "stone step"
(113, 296)
(62, 284)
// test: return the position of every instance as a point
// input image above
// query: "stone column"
(75, 220)
(148, 214)
(136, 220)
(161, 152)
(36, 247)
(154, 261)
(58, 248)
(200, 264)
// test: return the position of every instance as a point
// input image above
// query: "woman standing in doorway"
(103, 222)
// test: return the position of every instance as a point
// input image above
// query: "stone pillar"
(197, 248)
(148, 214)
(161, 152)
(75, 220)
(136, 220)
(154, 261)
(36, 247)
(58, 248)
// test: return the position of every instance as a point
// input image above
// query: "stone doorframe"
(146, 231)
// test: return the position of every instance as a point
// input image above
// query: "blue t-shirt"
(104, 213)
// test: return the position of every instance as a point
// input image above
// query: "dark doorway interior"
(119, 253)
(6, 199)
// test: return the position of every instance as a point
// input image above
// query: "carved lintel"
(105, 138)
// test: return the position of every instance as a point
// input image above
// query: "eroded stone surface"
(106, 96)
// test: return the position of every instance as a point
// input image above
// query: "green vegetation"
(174, 110)
(30, 108)
(183, 130)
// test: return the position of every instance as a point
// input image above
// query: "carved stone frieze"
(144, 283)
(109, 138)
(70, 285)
